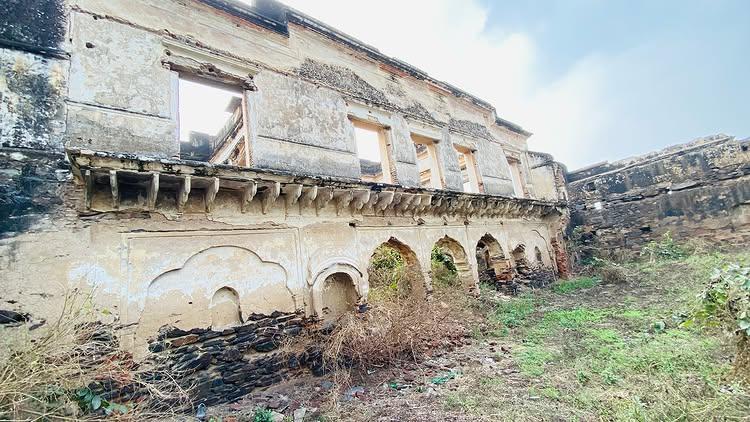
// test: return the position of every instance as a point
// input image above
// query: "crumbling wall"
(123, 93)
(695, 190)
(543, 169)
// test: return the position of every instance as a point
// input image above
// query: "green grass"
(514, 312)
(532, 359)
(569, 286)
(602, 358)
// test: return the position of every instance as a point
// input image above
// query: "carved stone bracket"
(384, 200)
(343, 199)
(248, 193)
(325, 195)
(292, 193)
(308, 197)
(269, 196)
(113, 177)
(153, 191)
(183, 193)
(359, 199)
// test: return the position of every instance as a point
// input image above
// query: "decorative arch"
(460, 259)
(491, 260)
(183, 297)
(417, 280)
(333, 276)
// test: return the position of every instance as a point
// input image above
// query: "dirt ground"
(578, 350)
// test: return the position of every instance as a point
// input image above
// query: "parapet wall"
(696, 190)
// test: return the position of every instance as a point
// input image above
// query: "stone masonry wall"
(218, 366)
(695, 190)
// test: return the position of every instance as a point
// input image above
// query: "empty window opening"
(427, 162)
(468, 170)
(516, 177)
(372, 152)
(211, 123)
(394, 271)
(492, 264)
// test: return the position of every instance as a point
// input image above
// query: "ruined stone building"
(203, 164)
(698, 190)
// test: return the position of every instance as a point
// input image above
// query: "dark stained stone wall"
(221, 366)
(32, 185)
(38, 23)
(695, 190)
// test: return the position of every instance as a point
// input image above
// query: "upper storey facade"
(266, 87)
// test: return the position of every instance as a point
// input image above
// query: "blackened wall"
(695, 190)
(32, 23)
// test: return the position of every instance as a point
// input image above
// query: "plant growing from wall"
(443, 270)
(387, 268)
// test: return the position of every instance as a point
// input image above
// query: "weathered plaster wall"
(696, 190)
(321, 75)
(97, 76)
(542, 169)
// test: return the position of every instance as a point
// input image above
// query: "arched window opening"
(492, 263)
(450, 267)
(394, 272)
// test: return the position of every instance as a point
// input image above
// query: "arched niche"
(492, 263)
(538, 256)
(520, 260)
(460, 260)
(336, 288)
(225, 309)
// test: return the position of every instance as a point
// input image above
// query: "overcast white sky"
(592, 79)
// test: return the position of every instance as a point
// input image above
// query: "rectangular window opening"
(468, 170)
(516, 177)
(211, 123)
(372, 153)
(427, 162)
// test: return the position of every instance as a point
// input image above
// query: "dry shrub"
(390, 331)
(42, 371)
(613, 274)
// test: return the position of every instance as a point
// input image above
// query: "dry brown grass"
(41, 370)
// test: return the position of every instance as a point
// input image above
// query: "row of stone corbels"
(351, 200)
